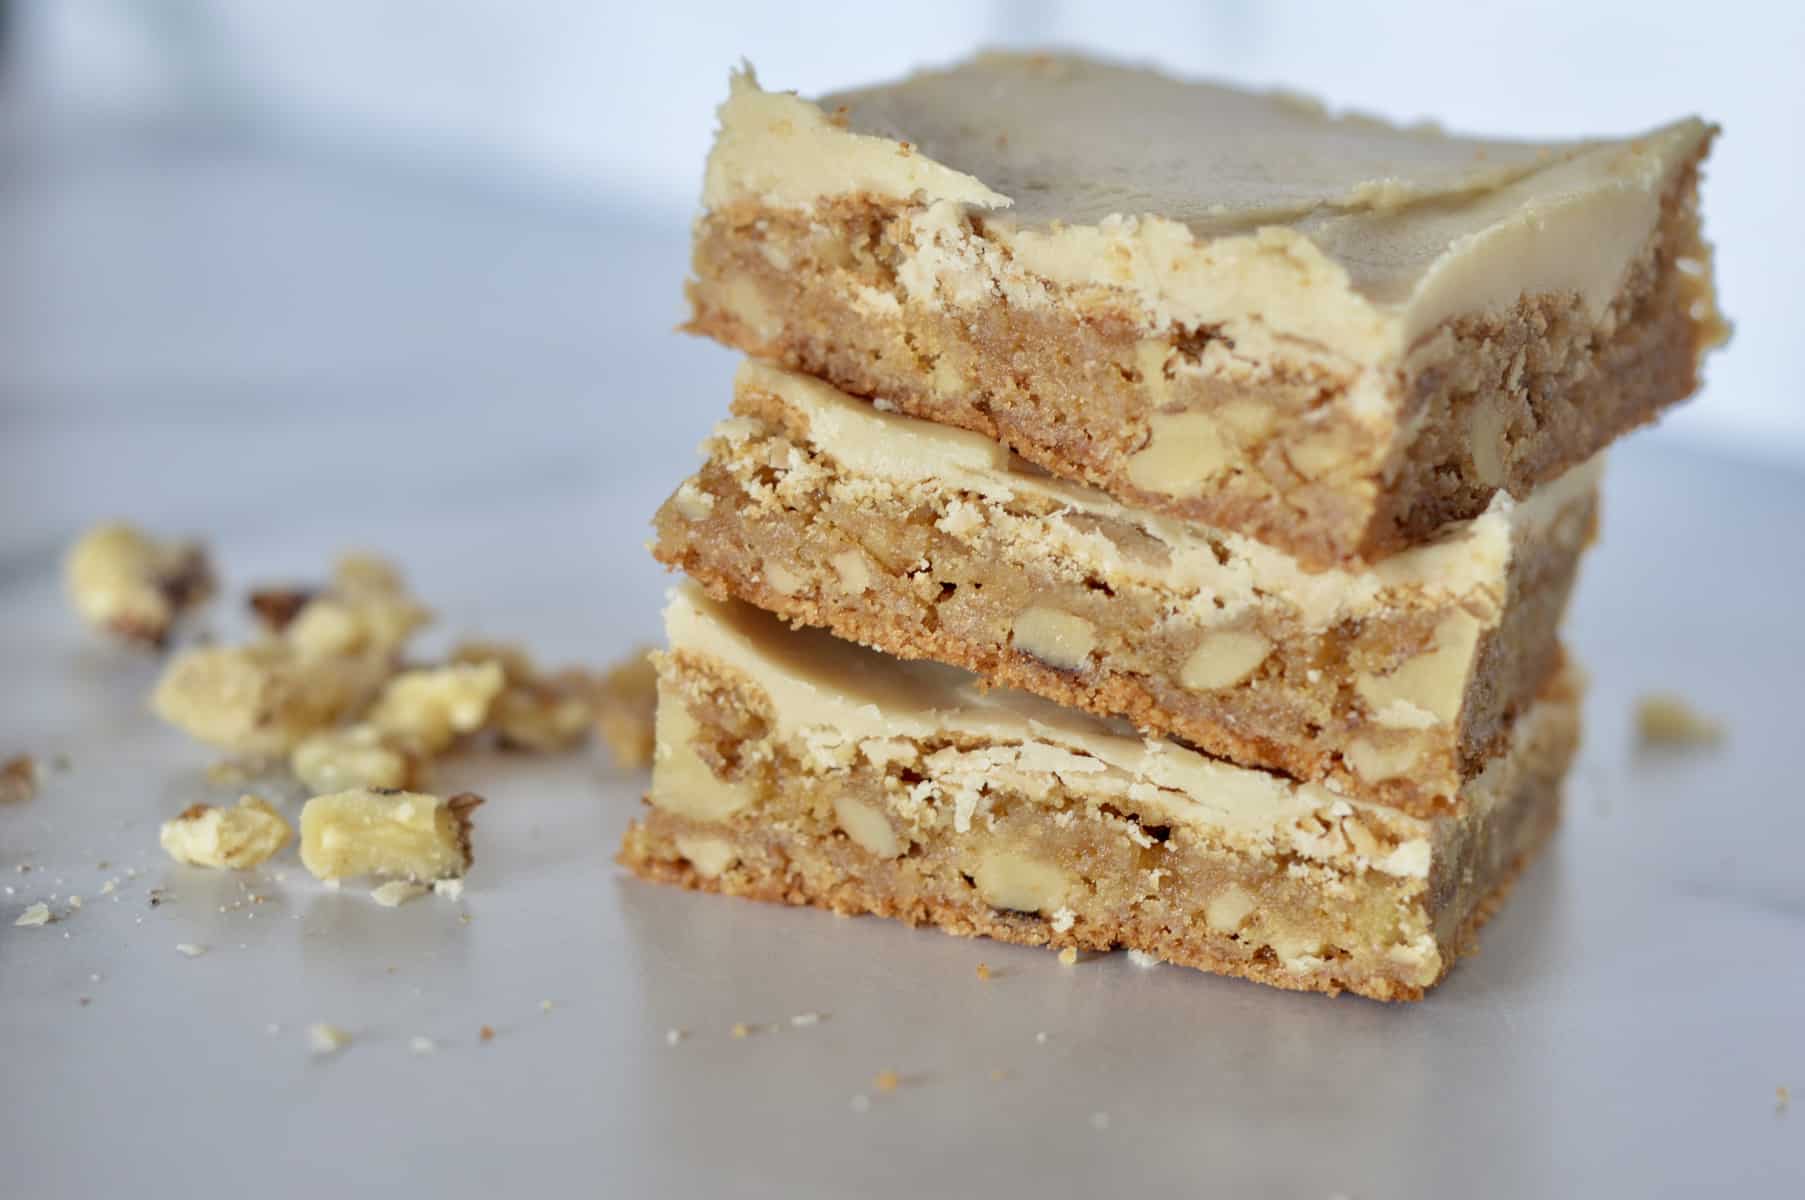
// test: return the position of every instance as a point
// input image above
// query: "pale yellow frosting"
(1210, 206)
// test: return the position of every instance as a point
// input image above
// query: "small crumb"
(1068, 956)
(741, 1029)
(998, 1075)
(451, 889)
(94, 977)
(190, 949)
(1141, 958)
(34, 915)
(18, 779)
(86, 1000)
(1782, 1098)
(673, 1036)
(885, 1081)
(396, 892)
(804, 1020)
(323, 1039)
(1099, 1121)
(545, 1006)
(1041, 1037)
(984, 971)
(422, 1045)
(109, 887)
(1663, 719)
(861, 1103)
(486, 1033)
(75, 902)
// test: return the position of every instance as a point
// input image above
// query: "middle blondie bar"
(1392, 682)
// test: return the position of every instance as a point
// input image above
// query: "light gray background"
(292, 355)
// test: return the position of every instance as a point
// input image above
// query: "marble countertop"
(291, 355)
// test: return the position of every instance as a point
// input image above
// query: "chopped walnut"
(427, 710)
(18, 779)
(329, 661)
(1668, 720)
(626, 703)
(388, 833)
(355, 756)
(276, 608)
(233, 838)
(263, 698)
(126, 582)
(536, 712)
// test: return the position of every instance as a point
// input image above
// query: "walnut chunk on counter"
(427, 710)
(277, 607)
(18, 779)
(355, 756)
(1667, 720)
(125, 582)
(387, 833)
(625, 704)
(535, 711)
(231, 838)
(263, 698)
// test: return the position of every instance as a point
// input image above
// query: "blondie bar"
(1332, 334)
(795, 767)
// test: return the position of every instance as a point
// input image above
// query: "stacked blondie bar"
(1147, 512)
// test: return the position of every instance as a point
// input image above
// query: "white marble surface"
(291, 357)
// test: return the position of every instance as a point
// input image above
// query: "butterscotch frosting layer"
(792, 766)
(1394, 682)
(1327, 332)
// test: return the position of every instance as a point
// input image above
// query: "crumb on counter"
(886, 1081)
(1664, 719)
(324, 1039)
(18, 779)
(1068, 956)
(33, 916)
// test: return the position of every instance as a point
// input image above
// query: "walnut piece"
(123, 581)
(18, 779)
(387, 833)
(626, 704)
(427, 710)
(535, 712)
(1667, 720)
(352, 757)
(265, 697)
(231, 838)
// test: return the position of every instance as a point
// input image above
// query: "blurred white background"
(609, 106)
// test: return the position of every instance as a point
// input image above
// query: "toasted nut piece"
(426, 710)
(1670, 721)
(626, 704)
(122, 580)
(18, 778)
(263, 698)
(259, 699)
(234, 838)
(276, 608)
(546, 714)
(393, 834)
(355, 756)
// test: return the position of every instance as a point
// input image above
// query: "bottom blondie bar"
(791, 766)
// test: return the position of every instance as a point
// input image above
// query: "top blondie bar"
(1329, 333)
